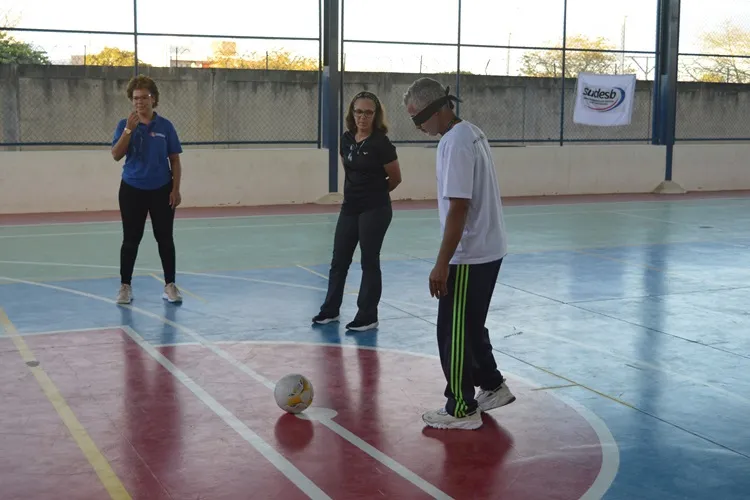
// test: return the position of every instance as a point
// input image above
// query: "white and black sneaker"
(324, 319)
(441, 419)
(359, 325)
(489, 400)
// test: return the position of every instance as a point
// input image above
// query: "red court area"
(164, 440)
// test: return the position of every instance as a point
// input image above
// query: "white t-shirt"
(465, 170)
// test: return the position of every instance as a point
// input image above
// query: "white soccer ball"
(293, 393)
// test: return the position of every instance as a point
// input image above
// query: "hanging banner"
(604, 100)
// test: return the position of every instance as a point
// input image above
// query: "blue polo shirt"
(147, 159)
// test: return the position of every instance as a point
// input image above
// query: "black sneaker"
(324, 319)
(360, 325)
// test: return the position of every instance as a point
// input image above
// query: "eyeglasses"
(366, 112)
(141, 97)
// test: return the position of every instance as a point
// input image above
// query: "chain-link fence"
(714, 71)
(69, 105)
(63, 83)
(506, 62)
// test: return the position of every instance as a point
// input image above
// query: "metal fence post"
(135, 36)
(666, 74)
(458, 60)
(656, 122)
(320, 75)
(331, 85)
(342, 71)
(562, 91)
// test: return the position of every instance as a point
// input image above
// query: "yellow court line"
(71, 278)
(573, 383)
(565, 386)
(102, 468)
(347, 289)
(181, 288)
(312, 271)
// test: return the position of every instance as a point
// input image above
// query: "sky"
(491, 22)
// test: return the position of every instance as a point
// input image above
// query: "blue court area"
(637, 311)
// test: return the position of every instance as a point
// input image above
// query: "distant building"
(184, 63)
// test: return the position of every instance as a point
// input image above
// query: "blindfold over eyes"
(433, 107)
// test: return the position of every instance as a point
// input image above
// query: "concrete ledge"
(330, 199)
(87, 181)
(669, 187)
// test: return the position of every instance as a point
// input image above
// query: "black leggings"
(368, 229)
(135, 205)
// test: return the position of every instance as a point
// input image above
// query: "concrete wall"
(51, 103)
(83, 104)
(61, 181)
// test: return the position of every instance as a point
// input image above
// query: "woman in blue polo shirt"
(150, 184)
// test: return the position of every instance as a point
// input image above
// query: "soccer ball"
(293, 393)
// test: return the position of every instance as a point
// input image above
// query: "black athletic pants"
(135, 205)
(463, 340)
(368, 229)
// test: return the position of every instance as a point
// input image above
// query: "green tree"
(729, 40)
(13, 51)
(548, 63)
(112, 56)
(226, 56)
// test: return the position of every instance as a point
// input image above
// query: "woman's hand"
(132, 121)
(174, 199)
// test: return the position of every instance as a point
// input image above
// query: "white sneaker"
(172, 293)
(125, 295)
(441, 419)
(489, 400)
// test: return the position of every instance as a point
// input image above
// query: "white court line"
(373, 452)
(273, 456)
(219, 217)
(386, 301)
(228, 217)
(176, 229)
(180, 228)
(549, 335)
(691, 225)
(635, 362)
(207, 275)
(586, 346)
(144, 269)
(67, 264)
(610, 449)
(254, 280)
(148, 230)
(281, 463)
(699, 202)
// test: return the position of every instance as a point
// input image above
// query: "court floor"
(623, 328)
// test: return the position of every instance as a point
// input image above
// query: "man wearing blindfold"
(468, 263)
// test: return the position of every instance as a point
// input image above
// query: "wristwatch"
(127, 130)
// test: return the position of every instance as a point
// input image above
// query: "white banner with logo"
(604, 100)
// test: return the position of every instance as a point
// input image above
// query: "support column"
(665, 87)
(135, 37)
(331, 89)
(458, 60)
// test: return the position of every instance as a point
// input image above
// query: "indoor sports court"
(618, 137)
(620, 324)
